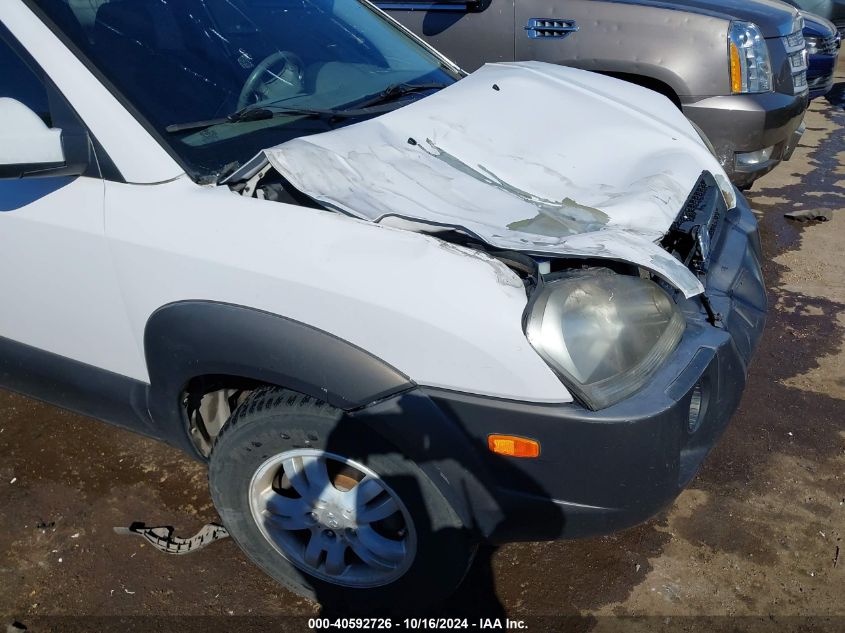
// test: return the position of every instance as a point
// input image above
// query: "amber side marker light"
(736, 70)
(513, 446)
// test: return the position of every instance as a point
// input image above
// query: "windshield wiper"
(253, 113)
(270, 111)
(397, 91)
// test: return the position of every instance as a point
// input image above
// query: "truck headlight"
(813, 44)
(751, 69)
(604, 334)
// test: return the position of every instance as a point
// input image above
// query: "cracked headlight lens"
(751, 70)
(604, 334)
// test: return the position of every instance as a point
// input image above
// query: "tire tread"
(270, 399)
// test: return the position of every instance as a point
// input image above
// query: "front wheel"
(331, 510)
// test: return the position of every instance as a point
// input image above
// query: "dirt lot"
(760, 532)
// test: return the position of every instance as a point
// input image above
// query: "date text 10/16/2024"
(417, 623)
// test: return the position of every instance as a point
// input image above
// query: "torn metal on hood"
(552, 162)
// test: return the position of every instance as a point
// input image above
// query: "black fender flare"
(186, 339)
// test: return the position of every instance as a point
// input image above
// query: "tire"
(413, 558)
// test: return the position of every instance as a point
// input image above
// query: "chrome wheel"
(333, 518)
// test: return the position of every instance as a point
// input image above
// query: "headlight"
(604, 334)
(812, 44)
(751, 70)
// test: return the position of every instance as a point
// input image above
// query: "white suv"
(400, 310)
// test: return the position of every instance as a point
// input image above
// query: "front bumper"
(600, 471)
(739, 124)
(820, 74)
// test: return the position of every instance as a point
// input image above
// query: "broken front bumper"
(739, 125)
(600, 471)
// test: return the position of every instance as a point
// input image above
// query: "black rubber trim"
(187, 339)
(25, 170)
(75, 386)
(108, 170)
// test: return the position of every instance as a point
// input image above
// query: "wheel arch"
(660, 85)
(189, 339)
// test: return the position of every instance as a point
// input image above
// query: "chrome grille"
(794, 41)
(828, 46)
(540, 27)
(796, 51)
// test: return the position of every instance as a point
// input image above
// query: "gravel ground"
(758, 536)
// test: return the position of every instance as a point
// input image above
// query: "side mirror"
(29, 148)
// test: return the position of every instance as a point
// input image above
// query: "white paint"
(550, 139)
(444, 315)
(92, 260)
(60, 288)
(24, 138)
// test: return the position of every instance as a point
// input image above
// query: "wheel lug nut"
(329, 534)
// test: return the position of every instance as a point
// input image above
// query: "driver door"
(60, 298)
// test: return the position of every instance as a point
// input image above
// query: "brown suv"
(737, 69)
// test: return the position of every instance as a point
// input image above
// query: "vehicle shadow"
(437, 451)
(836, 96)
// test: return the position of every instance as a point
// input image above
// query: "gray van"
(737, 68)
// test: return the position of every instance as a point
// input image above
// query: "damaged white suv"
(398, 309)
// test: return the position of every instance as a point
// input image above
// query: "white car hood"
(531, 157)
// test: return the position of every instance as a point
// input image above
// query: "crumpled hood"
(532, 157)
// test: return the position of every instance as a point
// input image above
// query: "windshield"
(179, 62)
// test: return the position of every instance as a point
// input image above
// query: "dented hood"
(532, 157)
